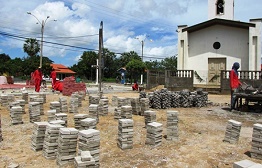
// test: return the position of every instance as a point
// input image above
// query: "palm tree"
(31, 47)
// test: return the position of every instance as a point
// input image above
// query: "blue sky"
(153, 21)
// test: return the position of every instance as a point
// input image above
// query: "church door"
(215, 65)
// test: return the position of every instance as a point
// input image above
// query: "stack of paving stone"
(43, 95)
(150, 116)
(10, 97)
(67, 143)
(25, 96)
(41, 103)
(73, 106)
(126, 112)
(51, 141)
(79, 98)
(22, 104)
(34, 112)
(103, 103)
(78, 118)
(12, 104)
(82, 95)
(94, 99)
(58, 122)
(38, 136)
(144, 103)
(55, 105)
(122, 101)
(93, 111)
(87, 123)
(154, 134)
(89, 140)
(117, 113)
(256, 143)
(84, 160)
(63, 104)
(4, 100)
(175, 99)
(246, 164)
(61, 116)
(51, 115)
(125, 134)
(172, 125)
(232, 131)
(32, 97)
(1, 137)
(114, 100)
(135, 103)
(142, 94)
(16, 114)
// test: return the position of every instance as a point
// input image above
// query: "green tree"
(31, 47)
(153, 65)
(126, 57)
(170, 63)
(134, 68)
(109, 66)
(4, 58)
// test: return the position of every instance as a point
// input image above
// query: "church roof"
(216, 21)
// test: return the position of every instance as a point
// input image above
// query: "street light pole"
(142, 56)
(43, 23)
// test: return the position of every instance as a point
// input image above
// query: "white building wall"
(228, 10)
(234, 47)
(255, 46)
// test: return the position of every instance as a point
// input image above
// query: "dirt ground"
(200, 144)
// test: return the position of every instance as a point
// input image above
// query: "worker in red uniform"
(135, 86)
(38, 78)
(53, 77)
(234, 84)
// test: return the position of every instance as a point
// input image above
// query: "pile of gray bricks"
(59, 122)
(104, 107)
(51, 115)
(51, 141)
(117, 113)
(149, 116)
(154, 134)
(93, 111)
(126, 112)
(78, 118)
(67, 143)
(232, 131)
(63, 104)
(256, 143)
(84, 160)
(135, 103)
(38, 135)
(34, 112)
(144, 103)
(61, 116)
(22, 104)
(73, 106)
(172, 125)
(16, 114)
(125, 133)
(246, 164)
(55, 105)
(89, 140)
(25, 96)
(88, 123)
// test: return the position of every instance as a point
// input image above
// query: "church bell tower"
(223, 9)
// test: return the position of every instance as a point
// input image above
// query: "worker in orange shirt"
(38, 78)
(234, 84)
(53, 77)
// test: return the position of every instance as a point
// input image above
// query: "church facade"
(214, 45)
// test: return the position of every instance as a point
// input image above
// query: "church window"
(220, 7)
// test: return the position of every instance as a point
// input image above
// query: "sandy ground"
(200, 144)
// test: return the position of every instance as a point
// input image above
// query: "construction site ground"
(200, 143)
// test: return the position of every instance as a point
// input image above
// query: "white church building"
(214, 45)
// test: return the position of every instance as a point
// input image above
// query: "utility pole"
(100, 58)
(43, 23)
